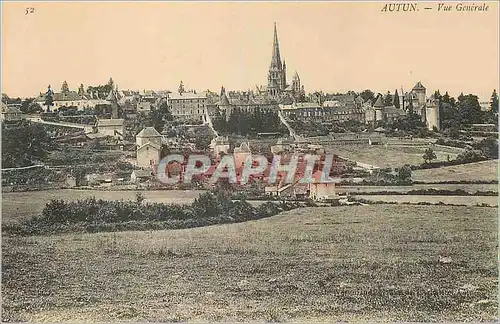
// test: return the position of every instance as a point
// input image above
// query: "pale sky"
(335, 47)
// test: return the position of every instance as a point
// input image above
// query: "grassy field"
(15, 206)
(484, 171)
(357, 263)
(471, 188)
(450, 200)
(390, 156)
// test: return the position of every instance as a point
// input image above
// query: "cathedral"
(277, 87)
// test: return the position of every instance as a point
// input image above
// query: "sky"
(334, 46)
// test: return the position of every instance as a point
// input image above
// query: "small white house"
(148, 155)
(111, 127)
(321, 191)
(141, 175)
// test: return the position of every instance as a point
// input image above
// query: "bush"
(92, 215)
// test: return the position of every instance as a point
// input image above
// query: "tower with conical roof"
(379, 108)
(276, 77)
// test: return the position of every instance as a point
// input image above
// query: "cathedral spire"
(276, 60)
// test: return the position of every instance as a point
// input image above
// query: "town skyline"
(331, 49)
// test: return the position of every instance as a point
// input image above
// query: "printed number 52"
(29, 10)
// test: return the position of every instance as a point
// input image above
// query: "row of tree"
(243, 123)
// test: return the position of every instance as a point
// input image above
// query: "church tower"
(276, 77)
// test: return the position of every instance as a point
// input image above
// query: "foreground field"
(358, 263)
(389, 156)
(483, 171)
(449, 200)
(470, 188)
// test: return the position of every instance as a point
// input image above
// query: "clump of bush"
(97, 215)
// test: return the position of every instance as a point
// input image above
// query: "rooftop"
(62, 96)
(148, 132)
(186, 96)
(418, 86)
(110, 122)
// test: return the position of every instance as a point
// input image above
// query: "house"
(370, 115)
(111, 127)
(149, 96)
(10, 114)
(392, 113)
(143, 107)
(138, 176)
(148, 155)
(321, 191)
(220, 145)
(272, 191)
(65, 99)
(70, 181)
(240, 154)
(302, 110)
(485, 105)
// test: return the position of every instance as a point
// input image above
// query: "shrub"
(92, 215)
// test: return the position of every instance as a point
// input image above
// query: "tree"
(494, 102)
(81, 90)
(388, 99)
(25, 145)
(396, 99)
(437, 95)
(64, 87)
(448, 113)
(5, 98)
(368, 95)
(181, 88)
(469, 155)
(429, 155)
(404, 173)
(29, 106)
(202, 143)
(165, 111)
(469, 109)
(111, 84)
(489, 147)
(49, 100)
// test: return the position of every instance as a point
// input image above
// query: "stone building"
(148, 143)
(333, 111)
(244, 102)
(426, 108)
(65, 99)
(379, 108)
(432, 113)
(111, 127)
(10, 114)
(277, 86)
(187, 105)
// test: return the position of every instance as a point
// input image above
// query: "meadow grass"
(388, 156)
(483, 171)
(351, 263)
